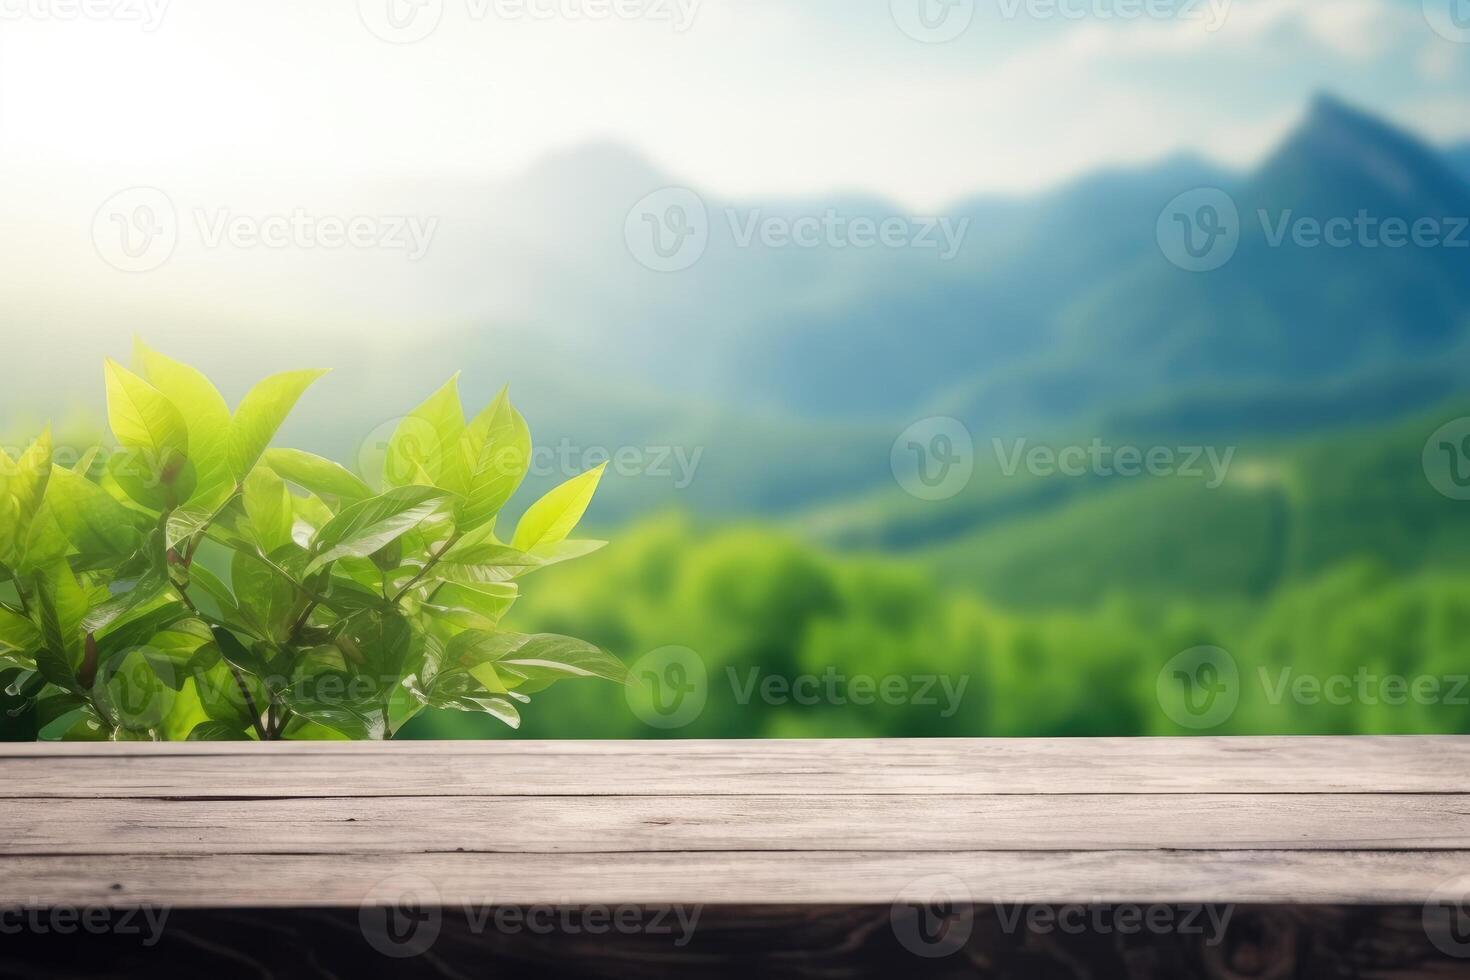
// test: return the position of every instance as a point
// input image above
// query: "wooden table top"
(1249, 820)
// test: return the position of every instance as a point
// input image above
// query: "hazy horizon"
(752, 98)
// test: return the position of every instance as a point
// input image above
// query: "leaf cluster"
(192, 582)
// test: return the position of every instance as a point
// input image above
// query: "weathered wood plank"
(1176, 820)
(752, 823)
(735, 768)
(762, 878)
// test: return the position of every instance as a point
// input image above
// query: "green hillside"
(1325, 557)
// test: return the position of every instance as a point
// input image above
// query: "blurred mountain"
(1054, 309)
(792, 369)
(1280, 313)
(1459, 158)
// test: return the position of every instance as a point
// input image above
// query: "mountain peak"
(1345, 147)
(1326, 108)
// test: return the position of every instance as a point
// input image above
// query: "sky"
(922, 101)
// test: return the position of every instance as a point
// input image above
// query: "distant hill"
(1459, 159)
(1274, 316)
(1061, 314)
(1288, 510)
(1059, 307)
(793, 369)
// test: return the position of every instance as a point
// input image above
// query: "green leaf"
(80, 724)
(238, 654)
(93, 522)
(487, 562)
(377, 641)
(459, 691)
(63, 605)
(148, 424)
(260, 415)
(472, 606)
(215, 731)
(265, 598)
(18, 633)
(134, 595)
(218, 593)
(427, 442)
(22, 491)
(568, 551)
(268, 507)
(28, 683)
(538, 657)
(45, 544)
(338, 718)
(552, 519)
(300, 729)
(186, 522)
(220, 695)
(134, 689)
(205, 413)
(27, 480)
(144, 627)
(497, 448)
(317, 475)
(369, 525)
(185, 714)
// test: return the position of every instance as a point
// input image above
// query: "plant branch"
(249, 702)
(300, 587)
(25, 605)
(428, 567)
(295, 634)
(184, 595)
(199, 535)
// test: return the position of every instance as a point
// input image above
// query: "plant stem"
(234, 671)
(184, 595)
(199, 535)
(300, 624)
(261, 557)
(249, 702)
(428, 567)
(20, 592)
(275, 721)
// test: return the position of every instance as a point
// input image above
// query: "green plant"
(193, 583)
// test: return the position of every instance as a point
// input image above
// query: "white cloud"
(756, 98)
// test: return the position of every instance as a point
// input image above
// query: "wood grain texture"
(704, 878)
(1325, 820)
(618, 824)
(937, 767)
